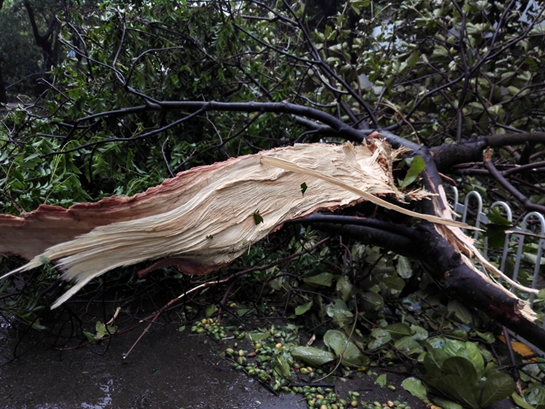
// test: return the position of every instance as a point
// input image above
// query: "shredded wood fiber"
(205, 216)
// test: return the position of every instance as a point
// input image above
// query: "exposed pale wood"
(204, 218)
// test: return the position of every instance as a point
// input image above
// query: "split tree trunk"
(206, 217)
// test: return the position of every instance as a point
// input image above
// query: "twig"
(514, 371)
(213, 283)
(524, 233)
(528, 205)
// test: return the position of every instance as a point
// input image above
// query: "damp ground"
(167, 369)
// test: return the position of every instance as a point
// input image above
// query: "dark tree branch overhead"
(399, 230)
(528, 205)
(332, 76)
(448, 155)
(431, 177)
(43, 41)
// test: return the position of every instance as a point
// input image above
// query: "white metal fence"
(532, 225)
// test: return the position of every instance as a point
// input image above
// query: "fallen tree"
(205, 218)
(430, 92)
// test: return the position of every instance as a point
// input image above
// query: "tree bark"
(3, 95)
(43, 41)
(448, 155)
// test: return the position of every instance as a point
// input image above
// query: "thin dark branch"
(426, 96)
(165, 157)
(134, 138)
(332, 75)
(275, 49)
(535, 166)
(467, 73)
(448, 155)
(528, 205)
(276, 107)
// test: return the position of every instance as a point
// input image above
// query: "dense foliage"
(437, 73)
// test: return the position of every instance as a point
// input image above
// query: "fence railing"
(532, 225)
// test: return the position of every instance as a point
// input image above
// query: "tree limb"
(446, 265)
(448, 155)
(528, 205)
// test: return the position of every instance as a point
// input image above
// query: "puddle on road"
(105, 401)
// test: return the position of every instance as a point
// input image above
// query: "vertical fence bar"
(477, 196)
(506, 241)
(463, 210)
(541, 245)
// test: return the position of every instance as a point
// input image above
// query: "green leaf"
(487, 336)
(495, 234)
(403, 267)
(462, 367)
(460, 311)
(398, 330)
(311, 355)
(100, 328)
(495, 216)
(419, 333)
(336, 340)
(408, 346)
(381, 380)
(103, 330)
(433, 361)
(395, 284)
(416, 388)
(300, 310)
(417, 166)
(242, 311)
(454, 387)
(346, 349)
(472, 353)
(446, 404)
(345, 287)
(413, 58)
(532, 258)
(304, 188)
(340, 313)
(452, 347)
(541, 294)
(210, 310)
(373, 301)
(380, 337)
(258, 336)
(325, 279)
(466, 350)
(496, 387)
(91, 337)
(281, 367)
(277, 284)
(519, 401)
(257, 218)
